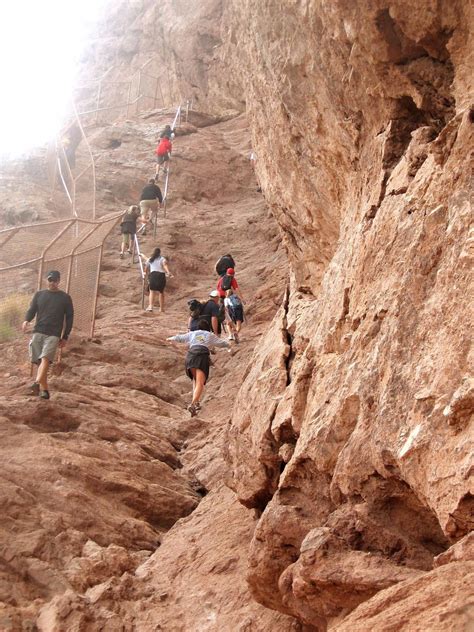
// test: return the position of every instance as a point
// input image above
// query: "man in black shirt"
(149, 199)
(54, 317)
(211, 312)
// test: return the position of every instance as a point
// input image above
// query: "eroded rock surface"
(350, 440)
(376, 415)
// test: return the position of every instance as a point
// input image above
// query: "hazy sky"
(40, 44)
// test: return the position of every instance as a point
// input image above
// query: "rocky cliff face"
(350, 444)
(355, 442)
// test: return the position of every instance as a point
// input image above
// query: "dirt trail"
(93, 480)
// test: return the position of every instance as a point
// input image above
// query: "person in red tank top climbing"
(228, 282)
(163, 154)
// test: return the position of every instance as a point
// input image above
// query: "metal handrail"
(177, 116)
(91, 156)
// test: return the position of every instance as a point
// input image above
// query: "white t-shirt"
(157, 265)
(202, 338)
(232, 301)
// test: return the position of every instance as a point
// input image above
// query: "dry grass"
(12, 314)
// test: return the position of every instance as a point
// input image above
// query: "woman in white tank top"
(157, 270)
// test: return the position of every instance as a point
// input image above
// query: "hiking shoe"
(44, 394)
(121, 255)
(231, 336)
(236, 338)
(149, 309)
(193, 410)
(35, 389)
(197, 406)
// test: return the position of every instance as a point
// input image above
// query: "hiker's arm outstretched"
(179, 338)
(218, 342)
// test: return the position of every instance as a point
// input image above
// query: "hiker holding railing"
(163, 154)
(128, 228)
(150, 198)
(157, 271)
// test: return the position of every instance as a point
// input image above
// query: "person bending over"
(163, 154)
(150, 198)
(201, 342)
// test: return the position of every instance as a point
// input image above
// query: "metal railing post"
(156, 93)
(139, 89)
(99, 91)
(129, 98)
(48, 246)
(92, 162)
(96, 292)
(161, 93)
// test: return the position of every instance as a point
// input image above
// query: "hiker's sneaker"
(149, 309)
(197, 406)
(231, 336)
(44, 394)
(35, 389)
(236, 338)
(193, 410)
(121, 255)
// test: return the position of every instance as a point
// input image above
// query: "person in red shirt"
(228, 282)
(163, 153)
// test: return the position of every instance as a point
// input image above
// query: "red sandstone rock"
(352, 433)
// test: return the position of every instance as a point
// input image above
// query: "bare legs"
(151, 299)
(126, 244)
(42, 374)
(161, 300)
(199, 380)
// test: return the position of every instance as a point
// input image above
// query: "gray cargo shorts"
(43, 346)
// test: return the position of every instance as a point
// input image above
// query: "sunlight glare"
(40, 47)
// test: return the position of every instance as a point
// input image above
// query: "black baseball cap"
(53, 275)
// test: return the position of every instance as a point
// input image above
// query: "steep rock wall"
(359, 430)
(351, 434)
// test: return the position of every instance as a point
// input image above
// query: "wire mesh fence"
(27, 253)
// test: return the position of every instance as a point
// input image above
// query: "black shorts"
(157, 281)
(236, 313)
(197, 358)
(163, 158)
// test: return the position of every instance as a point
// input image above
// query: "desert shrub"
(6, 332)
(12, 313)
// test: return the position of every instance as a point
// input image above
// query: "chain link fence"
(27, 253)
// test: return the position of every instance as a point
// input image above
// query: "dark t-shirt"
(210, 309)
(129, 224)
(224, 263)
(151, 192)
(50, 309)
